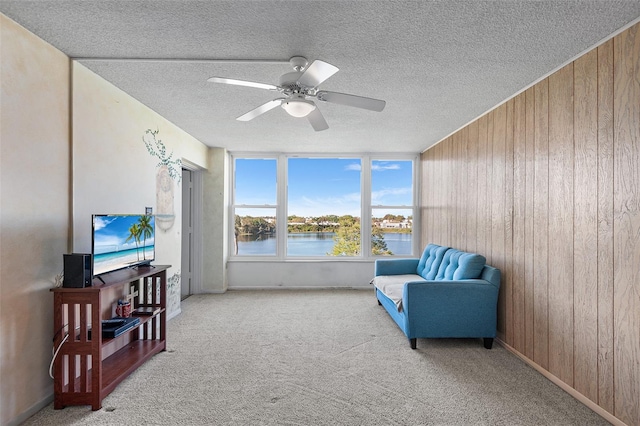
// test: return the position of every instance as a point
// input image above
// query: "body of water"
(312, 244)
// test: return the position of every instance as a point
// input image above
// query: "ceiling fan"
(300, 89)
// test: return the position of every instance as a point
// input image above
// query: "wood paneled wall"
(547, 187)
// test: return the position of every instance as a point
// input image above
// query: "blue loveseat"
(446, 293)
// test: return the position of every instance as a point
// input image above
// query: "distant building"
(394, 224)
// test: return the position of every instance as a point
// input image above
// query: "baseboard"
(22, 417)
(565, 387)
(240, 288)
(174, 314)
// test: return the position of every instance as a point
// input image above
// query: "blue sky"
(321, 186)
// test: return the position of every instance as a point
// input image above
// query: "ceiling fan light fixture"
(298, 107)
(300, 91)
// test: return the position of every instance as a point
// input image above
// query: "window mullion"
(365, 214)
(231, 210)
(415, 227)
(281, 210)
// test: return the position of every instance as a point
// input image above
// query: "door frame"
(196, 229)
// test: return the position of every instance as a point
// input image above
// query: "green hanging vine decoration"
(157, 149)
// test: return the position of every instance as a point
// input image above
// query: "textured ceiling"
(438, 64)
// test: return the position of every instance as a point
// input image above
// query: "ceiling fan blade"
(351, 100)
(316, 73)
(317, 120)
(260, 110)
(242, 83)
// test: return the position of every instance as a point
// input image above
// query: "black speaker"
(77, 270)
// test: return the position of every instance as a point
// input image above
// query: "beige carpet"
(329, 357)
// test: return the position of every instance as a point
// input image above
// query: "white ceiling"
(438, 64)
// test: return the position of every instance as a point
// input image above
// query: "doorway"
(187, 235)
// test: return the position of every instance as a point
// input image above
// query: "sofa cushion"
(427, 255)
(470, 266)
(392, 286)
(430, 261)
(448, 265)
(459, 265)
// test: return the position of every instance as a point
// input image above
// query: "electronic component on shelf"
(116, 326)
(147, 310)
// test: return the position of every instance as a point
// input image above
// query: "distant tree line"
(346, 242)
(250, 225)
(346, 229)
(396, 217)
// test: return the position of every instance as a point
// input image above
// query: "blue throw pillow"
(470, 266)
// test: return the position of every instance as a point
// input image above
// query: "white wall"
(34, 212)
(300, 274)
(115, 172)
(58, 165)
(215, 203)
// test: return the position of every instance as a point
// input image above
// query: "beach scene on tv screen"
(121, 241)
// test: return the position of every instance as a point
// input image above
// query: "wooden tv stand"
(88, 367)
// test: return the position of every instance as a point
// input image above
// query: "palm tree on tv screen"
(134, 232)
(146, 231)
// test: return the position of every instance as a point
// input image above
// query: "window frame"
(412, 207)
(366, 208)
(269, 207)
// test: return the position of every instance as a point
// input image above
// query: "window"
(323, 207)
(391, 207)
(254, 204)
(293, 207)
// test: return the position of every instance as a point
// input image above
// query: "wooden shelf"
(124, 362)
(144, 319)
(81, 375)
(119, 365)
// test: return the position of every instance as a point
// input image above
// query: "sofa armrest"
(451, 308)
(432, 292)
(396, 266)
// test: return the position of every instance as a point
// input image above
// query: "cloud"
(378, 196)
(316, 206)
(381, 167)
(353, 167)
(100, 222)
(376, 167)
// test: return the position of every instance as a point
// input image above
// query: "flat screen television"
(122, 241)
